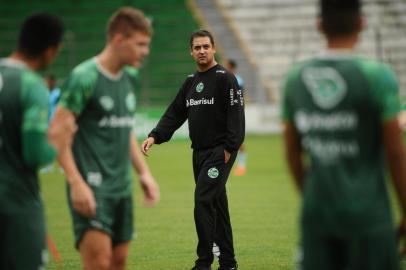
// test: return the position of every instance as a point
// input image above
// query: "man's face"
(202, 51)
(134, 49)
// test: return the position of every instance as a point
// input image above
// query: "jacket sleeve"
(174, 116)
(235, 119)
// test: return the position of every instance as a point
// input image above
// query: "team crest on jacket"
(326, 86)
(199, 87)
(213, 172)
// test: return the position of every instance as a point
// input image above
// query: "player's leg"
(123, 229)
(375, 250)
(22, 241)
(120, 255)
(321, 251)
(93, 235)
(95, 250)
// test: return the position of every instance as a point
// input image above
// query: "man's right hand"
(83, 199)
(146, 145)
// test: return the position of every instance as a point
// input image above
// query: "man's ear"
(116, 40)
(49, 54)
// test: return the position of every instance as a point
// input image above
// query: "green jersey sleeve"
(388, 96)
(78, 88)
(36, 150)
(385, 89)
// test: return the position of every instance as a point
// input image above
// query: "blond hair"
(127, 20)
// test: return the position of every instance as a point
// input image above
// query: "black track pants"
(212, 218)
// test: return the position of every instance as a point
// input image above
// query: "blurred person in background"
(340, 113)
(241, 168)
(99, 95)
(25, 145)
(54, 95)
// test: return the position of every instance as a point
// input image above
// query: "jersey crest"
(200, 87)
(325, 85)
(130, 102)
(107, 103)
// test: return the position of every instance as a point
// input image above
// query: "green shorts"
(22, 241)
(373, 250)
(114, 216)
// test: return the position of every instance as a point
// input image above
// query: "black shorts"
(22, 240)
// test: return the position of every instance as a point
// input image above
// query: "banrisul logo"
(200, 87)
(213, 172)
(196, 102)
(326, 86)
(107, 103)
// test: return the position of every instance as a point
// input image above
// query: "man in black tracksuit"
(213, 104)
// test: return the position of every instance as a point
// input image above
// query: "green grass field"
(263, 205)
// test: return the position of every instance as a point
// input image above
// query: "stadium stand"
(164, 70)
(230, 47)
(281, 32)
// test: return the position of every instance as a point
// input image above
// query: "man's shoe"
(201, 268)
(228, 268)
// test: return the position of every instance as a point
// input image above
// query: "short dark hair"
(126, 20)
(39, 32)
(340, 17)
(201, 33)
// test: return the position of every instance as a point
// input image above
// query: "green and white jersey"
(23, 119)
(337, 103)
(105, 108)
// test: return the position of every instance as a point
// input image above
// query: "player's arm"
(294, 154)
(386, 95)
(147, 181)
(396, 158)
(36, 148)
(291, 136)
(173, 118)
(235, 119)
(395, 154)
(385, 92)
(82, 196)
(75, 93)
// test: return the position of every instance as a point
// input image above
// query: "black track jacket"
(213, 104)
